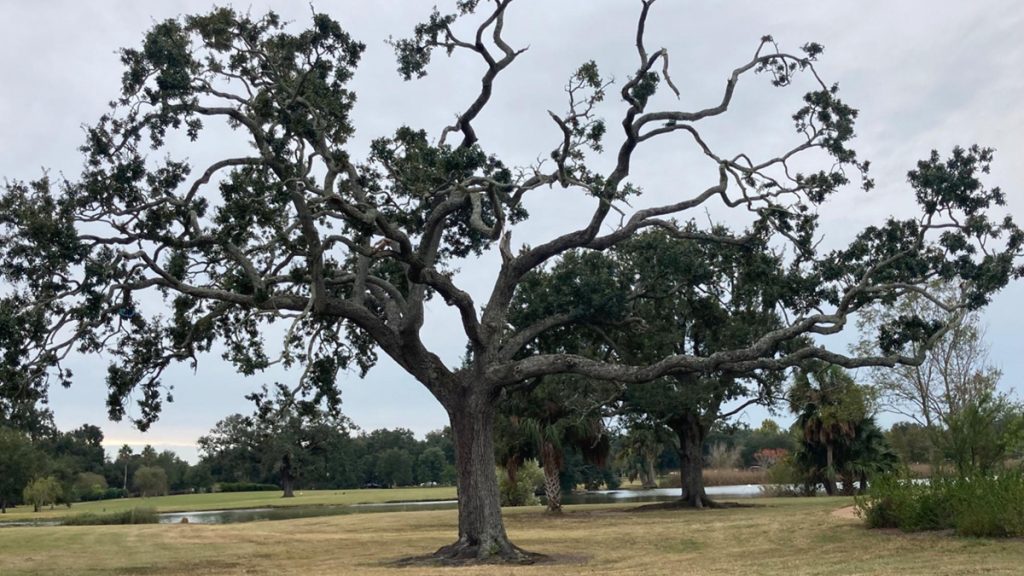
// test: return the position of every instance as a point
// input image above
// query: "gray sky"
(924, 74)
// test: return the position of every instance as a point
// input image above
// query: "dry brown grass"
(790, 536)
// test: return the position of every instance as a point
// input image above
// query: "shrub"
(989, 506)
(132, 516)
(529, 480)
(784, 479)
(245, 487)
(151, 481)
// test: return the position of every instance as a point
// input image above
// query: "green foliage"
(90, 486)
(523, 491)
(982, 506)
(42, 491)
(18, 463)
(394, 467)
(245, 487)
(430, 465)
(132, 516)
(839, 440)
(150, 481)
(979, 434)
(911, 442)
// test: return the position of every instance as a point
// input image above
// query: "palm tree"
(544, 422)
(829, 406)
(639, 451)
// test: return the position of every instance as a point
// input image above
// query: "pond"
(291, 512)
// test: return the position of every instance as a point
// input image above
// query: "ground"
(230, 500)
(784, 536)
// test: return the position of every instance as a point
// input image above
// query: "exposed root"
(705, 504)
(463, 553)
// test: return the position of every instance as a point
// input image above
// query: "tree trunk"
(691, 435)
(848, 483)
(648, 477)
(287, 479)
(552, 480)
(482, 534)
(3, 506)
(830, 471)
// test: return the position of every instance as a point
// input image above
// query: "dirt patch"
(848, 513)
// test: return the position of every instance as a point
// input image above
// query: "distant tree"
(124, 459)
(287, 436)
(18, 464)
(42, 491)
(980, 433)
(90, 485)
(637, 451)
(913, 442)
(150, 481)
(956, 371)
(430, 465)
(199, 478)
(547, 419)
(828, 405)
(230, 450)
(767, 437)
(148, 456)
(394, 467)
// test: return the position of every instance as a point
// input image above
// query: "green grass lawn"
(228, 500)
(782, 536)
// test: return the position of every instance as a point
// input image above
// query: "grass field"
(783, 536)
(229, 500)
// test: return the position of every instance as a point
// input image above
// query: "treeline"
(51, 467)
(239, 451)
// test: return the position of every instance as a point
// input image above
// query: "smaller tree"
(394, 467)
(42, 491)
(829, 405)
(980, 433)
(955, 374)
(430, 465)
(90, 485)
(150, 481)
(18, 461)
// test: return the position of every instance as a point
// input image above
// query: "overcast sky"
(925, 74)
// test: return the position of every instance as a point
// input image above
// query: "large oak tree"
(346, 251)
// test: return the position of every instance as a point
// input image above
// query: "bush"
(992, 506)
(899, 502)
(133, 516)
(245, 487)
(784, 479)
(108, 494)
(529, 480)
(989, 506)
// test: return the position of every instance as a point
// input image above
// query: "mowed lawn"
(230, 500)
(781, 536)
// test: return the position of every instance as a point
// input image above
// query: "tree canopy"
(152, 260)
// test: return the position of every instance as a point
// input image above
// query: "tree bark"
(830, 471)
(287, 479)
(691, 434)
(482, 534)
(648, 477)
(552, 480)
